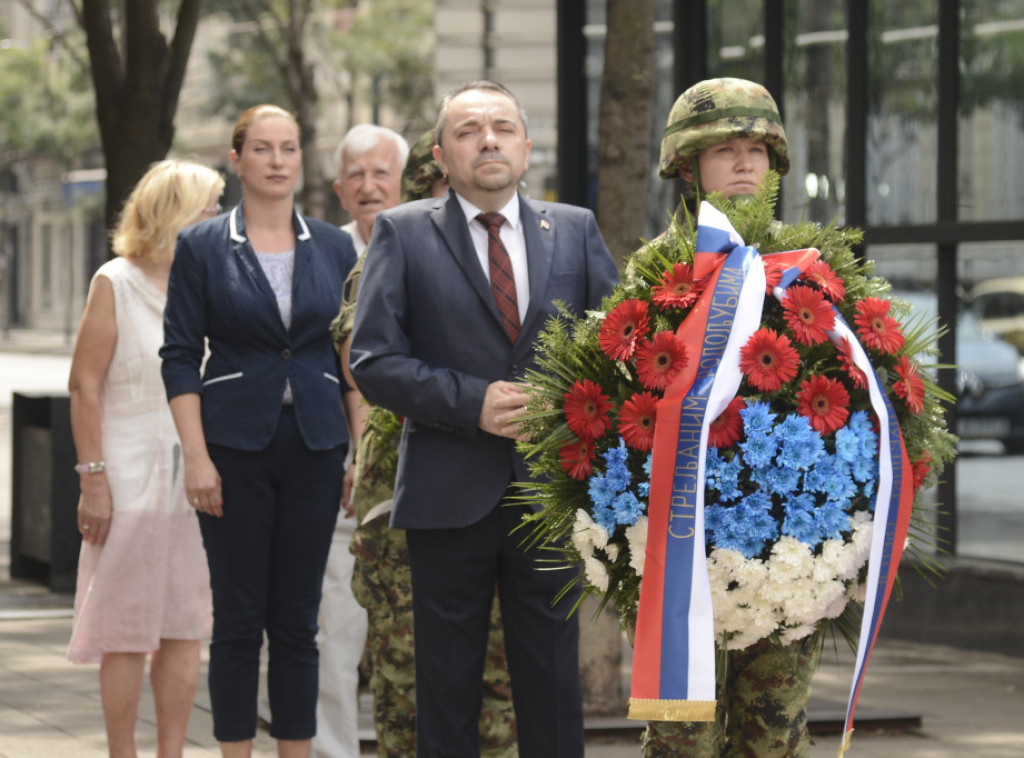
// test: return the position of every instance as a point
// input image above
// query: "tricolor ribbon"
(674, 658)
(893, 508)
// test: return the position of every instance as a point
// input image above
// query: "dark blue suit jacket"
(428, 340)
(217, 290)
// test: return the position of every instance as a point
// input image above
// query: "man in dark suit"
(450, 305)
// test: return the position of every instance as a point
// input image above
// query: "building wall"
(513, 42)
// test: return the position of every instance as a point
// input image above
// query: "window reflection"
(990, 520)
(902, 123)
(736, 39)
(815, 112)
(992, 278)
(991, 136)
(908, 267)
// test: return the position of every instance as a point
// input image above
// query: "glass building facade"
(905, 119)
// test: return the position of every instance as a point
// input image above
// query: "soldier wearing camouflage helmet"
(723, 136)
(716, 112)
(381, 578)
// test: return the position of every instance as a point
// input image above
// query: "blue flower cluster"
(614, 501)
(783, 479)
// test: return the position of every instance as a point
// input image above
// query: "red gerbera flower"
(823, 401)
(909, 386)
(727, 429)
(586, 410)
(877, 329)
(678, 288)
(772, 274)
(827, 280)
(921, 467)
(660, 360)
(769, 360)
(858, 377)
(636, 421)
(576, 458)
(622, 327)
(808, 314)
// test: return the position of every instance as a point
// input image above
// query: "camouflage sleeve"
(341, 326)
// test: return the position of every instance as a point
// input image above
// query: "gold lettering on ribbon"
(685, 484)
(682, 507)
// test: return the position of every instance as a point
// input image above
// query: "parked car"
(999, 305)
(989, 379)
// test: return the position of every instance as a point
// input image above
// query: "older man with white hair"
(370, 160)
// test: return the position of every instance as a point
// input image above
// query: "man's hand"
(504, 405)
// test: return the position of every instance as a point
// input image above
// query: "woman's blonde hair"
(172, 195)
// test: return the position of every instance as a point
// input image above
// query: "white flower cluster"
(788, 594)
(589, 537)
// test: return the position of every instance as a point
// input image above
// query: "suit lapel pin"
(544, 224)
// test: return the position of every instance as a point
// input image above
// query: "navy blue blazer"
(218, 291)
(428, 340)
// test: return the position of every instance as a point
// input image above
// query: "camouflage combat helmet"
(715, 110)
(421, 169)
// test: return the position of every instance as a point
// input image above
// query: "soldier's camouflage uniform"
(762, 708)
(381, 579)
(762, 691)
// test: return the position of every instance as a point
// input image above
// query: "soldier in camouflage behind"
(723, 135)
(381, 580)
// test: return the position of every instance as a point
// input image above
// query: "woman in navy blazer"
(262, 427)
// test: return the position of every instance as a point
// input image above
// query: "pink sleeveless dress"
(150, 579)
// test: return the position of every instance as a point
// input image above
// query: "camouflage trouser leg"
(761, 713)
(382, 583)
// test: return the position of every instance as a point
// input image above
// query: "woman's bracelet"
(93, 467)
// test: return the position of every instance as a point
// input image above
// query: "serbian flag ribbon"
(674, 646)
(893, 507)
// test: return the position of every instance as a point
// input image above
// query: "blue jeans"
(267, 556)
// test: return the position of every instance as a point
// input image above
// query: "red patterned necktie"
(503, 283)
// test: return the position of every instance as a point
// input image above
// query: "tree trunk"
(304, 102)
(137, 91)
(624, 134)
(285, 47)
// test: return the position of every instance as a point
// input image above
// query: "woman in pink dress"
(143, 584)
